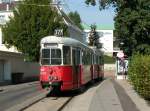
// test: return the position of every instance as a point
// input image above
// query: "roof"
(14, 54)
(99, 27)
(63, 40)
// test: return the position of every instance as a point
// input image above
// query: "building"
(106, 37)
(12, 61)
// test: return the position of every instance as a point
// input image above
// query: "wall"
(30, 70)
(14, 63)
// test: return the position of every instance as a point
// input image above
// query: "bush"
(139, 74)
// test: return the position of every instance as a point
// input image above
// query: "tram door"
(75, 65)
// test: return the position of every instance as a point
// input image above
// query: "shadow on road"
(73, 93)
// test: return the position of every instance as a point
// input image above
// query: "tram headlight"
(42, 69)
(55, 78)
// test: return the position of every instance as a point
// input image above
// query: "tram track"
(45, 102)
(49, 104)
(65, 104)
(28, 103)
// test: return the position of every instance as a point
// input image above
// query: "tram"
(68, 64)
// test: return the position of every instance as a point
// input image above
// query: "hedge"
(139, 74)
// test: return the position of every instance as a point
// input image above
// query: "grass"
(109, 59)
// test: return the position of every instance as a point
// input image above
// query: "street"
(11, 96)
(108, 95)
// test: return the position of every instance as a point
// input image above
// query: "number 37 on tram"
(67, 64)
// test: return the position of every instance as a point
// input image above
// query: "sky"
(89, 14)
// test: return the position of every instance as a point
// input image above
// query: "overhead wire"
(69, 10)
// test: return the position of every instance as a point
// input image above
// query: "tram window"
(46, 53)
(55, 56)
(84, 58)
(97, 59)
(55, 53)
(78, 56)
(45, 57)
(66, 55)
(55, 61)
(88, 58)
(94, 59)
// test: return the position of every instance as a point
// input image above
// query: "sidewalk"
(140, 103)
(128, 91)
(105, 98)
(17, 86)
(109, 95)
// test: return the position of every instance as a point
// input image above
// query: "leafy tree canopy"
(94, 37)
(75, 17)
(132, 23)
(32, 20)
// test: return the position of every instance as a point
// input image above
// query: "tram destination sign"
(50, 45)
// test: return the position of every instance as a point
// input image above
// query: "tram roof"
(68, 41)
(63, 40)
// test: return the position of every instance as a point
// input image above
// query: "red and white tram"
(68, 64)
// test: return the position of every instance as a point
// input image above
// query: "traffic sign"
(120, 54)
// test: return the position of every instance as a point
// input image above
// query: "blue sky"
(90, 14)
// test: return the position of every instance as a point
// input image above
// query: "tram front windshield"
(51, 57)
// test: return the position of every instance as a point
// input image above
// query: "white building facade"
(106, 38)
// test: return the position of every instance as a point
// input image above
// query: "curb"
(17, 86)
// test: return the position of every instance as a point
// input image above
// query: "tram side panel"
(96, 72)
(95, 66)
(87, 70)
(86, 74)
(101, 65)
(102, 71)
(67, 78)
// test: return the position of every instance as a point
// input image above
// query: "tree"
(132, 23)
(75, 17)
(94, 37)
(33, 19)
